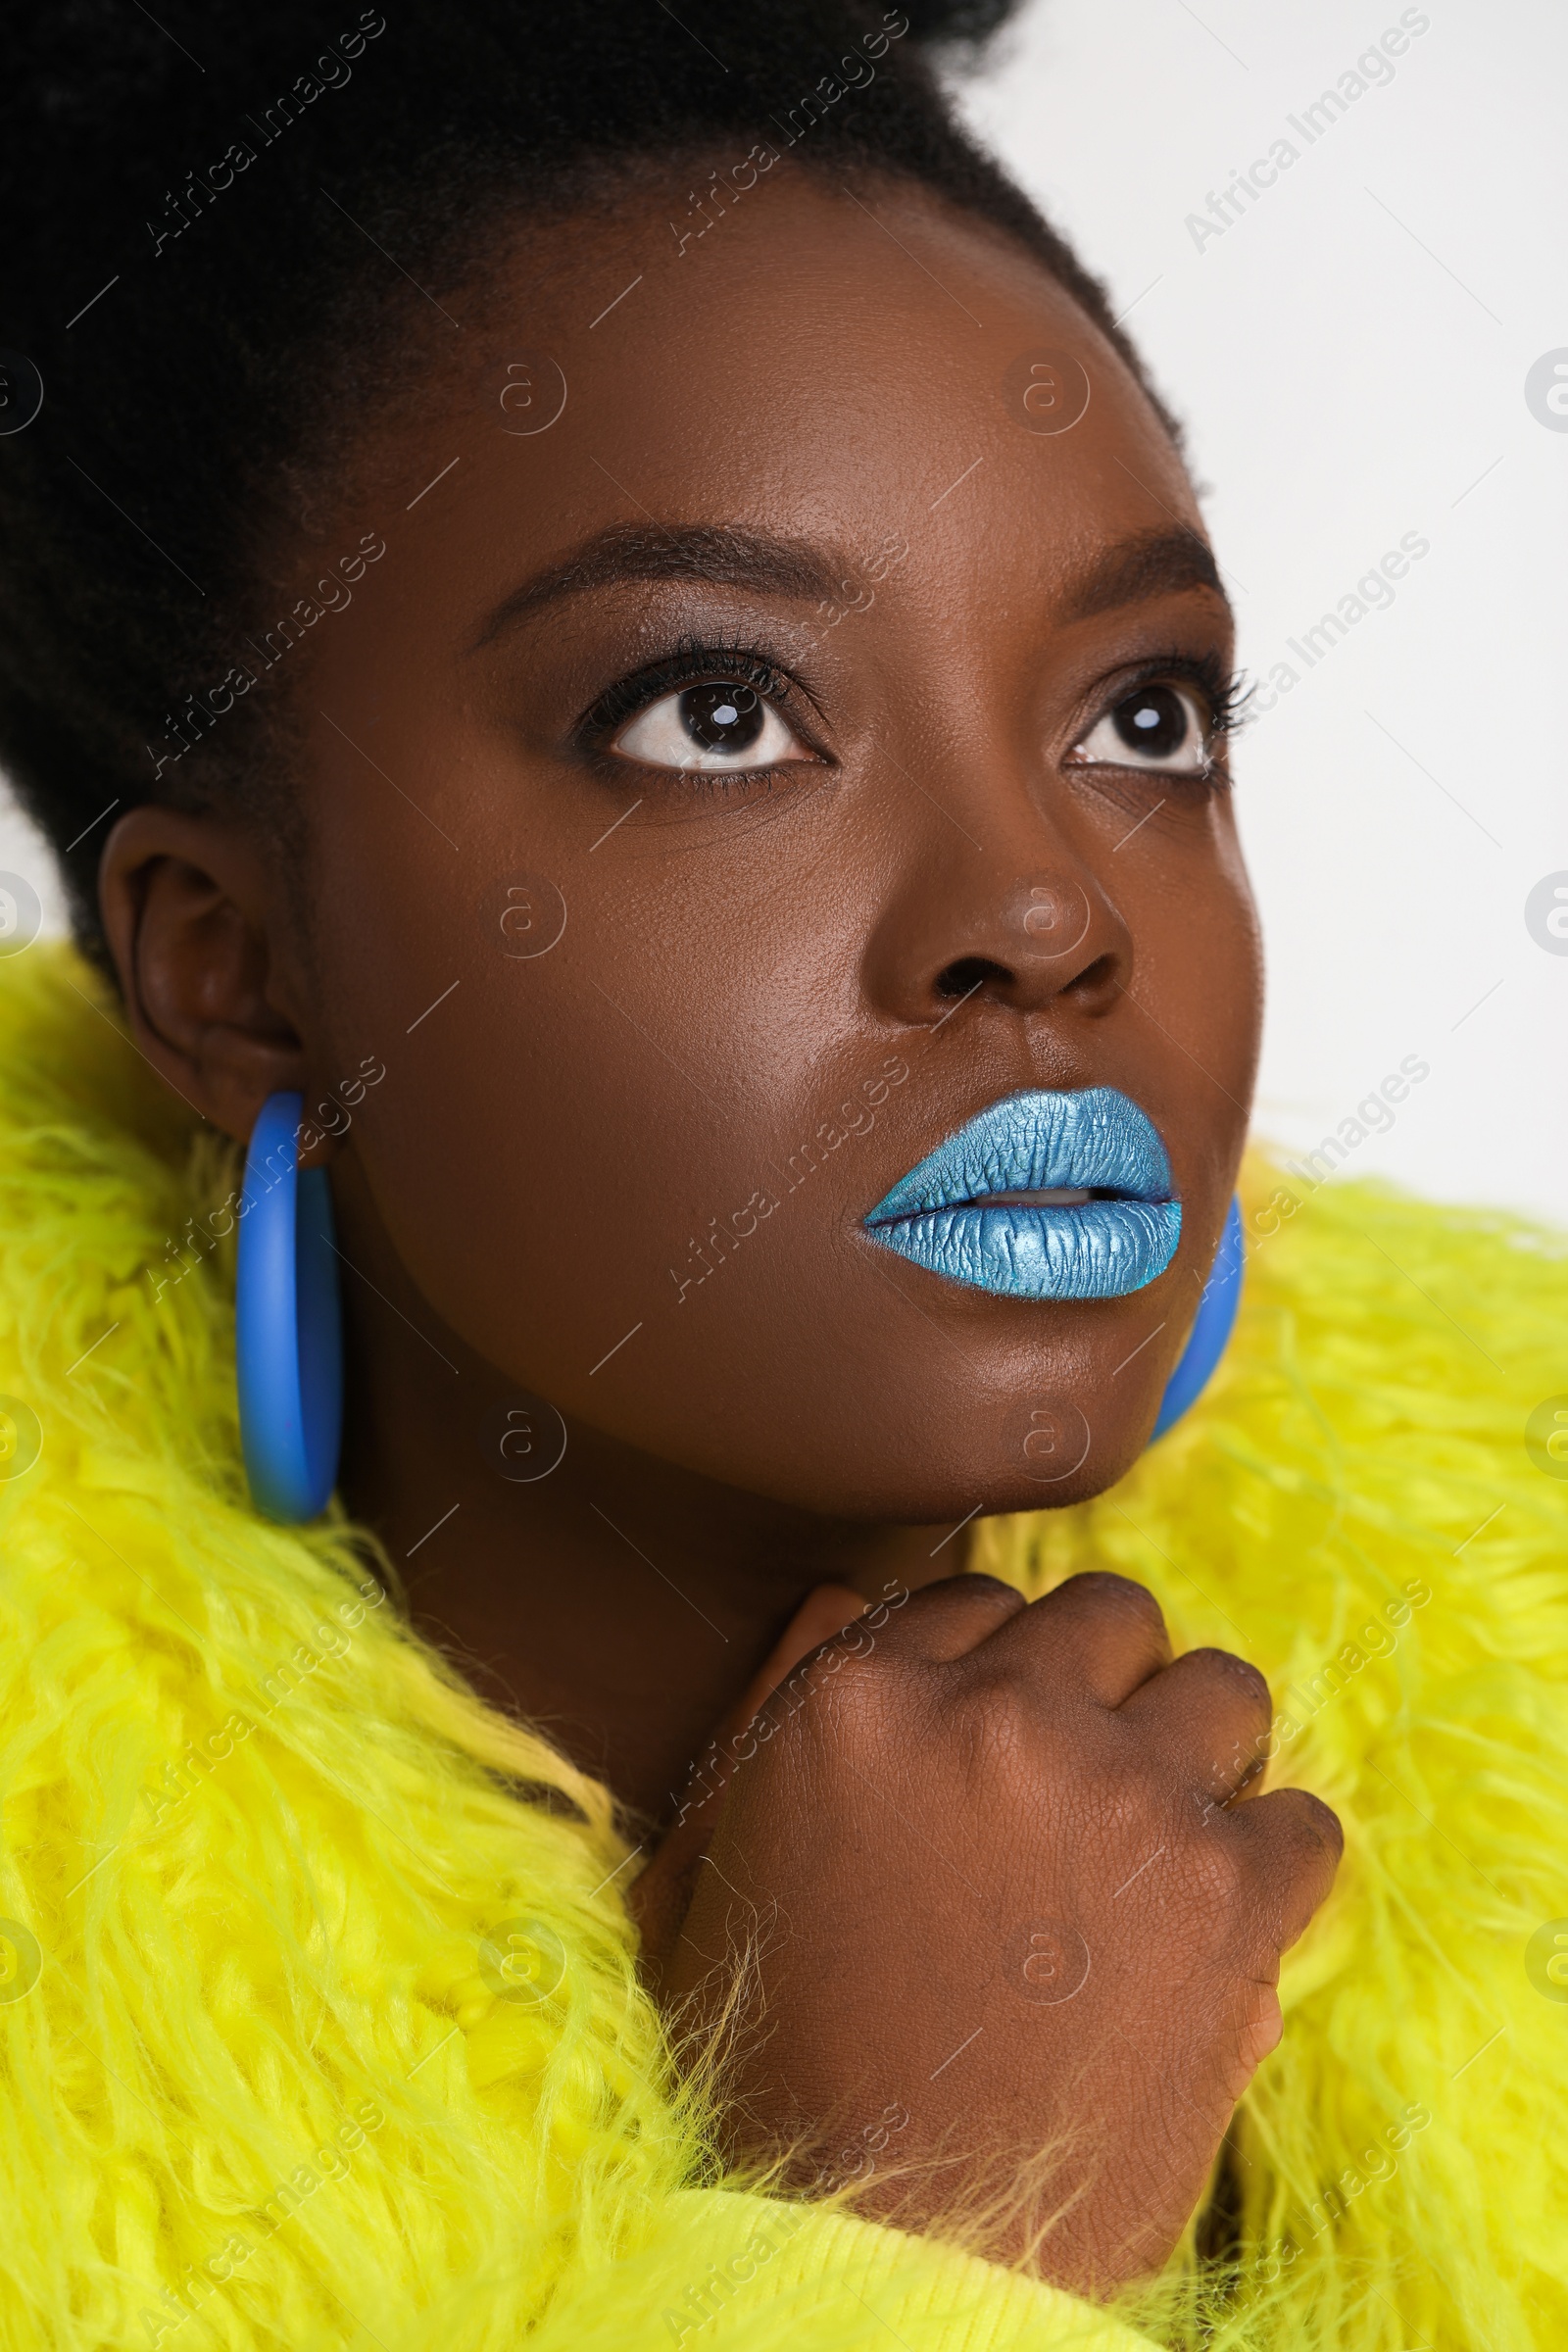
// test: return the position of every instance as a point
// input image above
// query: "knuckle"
(968, 1594)
(991, 1591)
(1104, 1588)
(1239, 1670)
(1320, 1823)
(1287, 1834)
(977, 1580)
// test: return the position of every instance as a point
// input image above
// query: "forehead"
(826, 362)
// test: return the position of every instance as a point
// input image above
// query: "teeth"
(1061, 1196)
(1053, 1153)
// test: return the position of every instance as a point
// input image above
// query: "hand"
(991, 1867)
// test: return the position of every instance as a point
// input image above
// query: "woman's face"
(782, 669)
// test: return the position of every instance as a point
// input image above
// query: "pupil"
(723, 719)
(1155, 720)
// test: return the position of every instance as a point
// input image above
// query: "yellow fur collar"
(263, 2085)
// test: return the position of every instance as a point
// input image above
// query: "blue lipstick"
(1042, 1196)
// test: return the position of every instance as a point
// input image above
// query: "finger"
(1104, 1630)
(1215, 1711)
(947, 1619)
(1259, 2028)
(827, 1610)
(660, 1894)
(1296, 1842)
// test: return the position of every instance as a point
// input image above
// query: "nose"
(1025, 936)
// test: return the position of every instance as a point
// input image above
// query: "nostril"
(1097, 980)
(962, 977)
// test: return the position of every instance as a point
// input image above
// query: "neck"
(619, 1603)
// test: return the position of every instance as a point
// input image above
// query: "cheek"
(1197, 984)
(623, 1133)
(1238, 933)
(1197, 961)
(1201, 957)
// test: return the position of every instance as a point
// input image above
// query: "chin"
(1047, 1460)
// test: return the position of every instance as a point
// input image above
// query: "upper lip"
(1094, 1138)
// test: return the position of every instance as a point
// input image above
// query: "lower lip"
(1102, 1251)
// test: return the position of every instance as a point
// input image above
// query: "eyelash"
(1222, 690)
(1220, 687)
(695, 662)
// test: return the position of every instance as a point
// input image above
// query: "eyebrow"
(1133, 571)
(719, 556)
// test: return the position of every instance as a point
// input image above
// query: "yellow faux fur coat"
(262, 2084)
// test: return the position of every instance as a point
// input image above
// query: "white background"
(1349, 356)
(1349, 359)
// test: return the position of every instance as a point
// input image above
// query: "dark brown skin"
(751, 1459)
(1094, 1931)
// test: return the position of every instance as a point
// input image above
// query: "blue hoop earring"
(288, 1331)
(1205, 1341)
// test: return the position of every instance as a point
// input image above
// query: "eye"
(1162, 728)
(721, 723)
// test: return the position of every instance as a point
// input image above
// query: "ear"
(195, 921)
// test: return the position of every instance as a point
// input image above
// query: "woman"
(626, 674)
